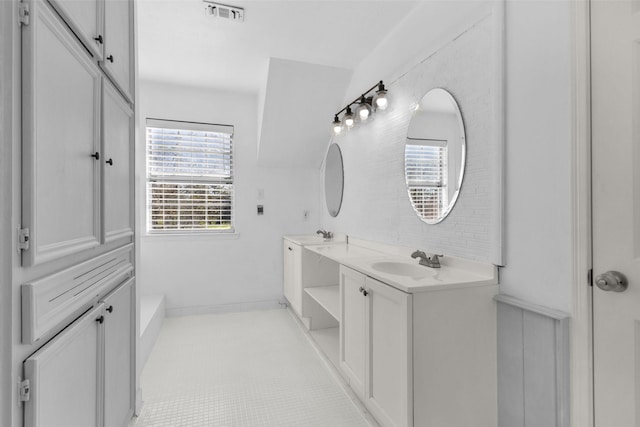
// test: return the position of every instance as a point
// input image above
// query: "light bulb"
(336, 127)
(364, 110)
(348, 119)
(380, 100)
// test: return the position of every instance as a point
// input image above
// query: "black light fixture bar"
(355, 101)
(366, 106)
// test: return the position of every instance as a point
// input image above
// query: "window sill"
(193, 235)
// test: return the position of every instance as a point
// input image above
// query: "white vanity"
(416, 344)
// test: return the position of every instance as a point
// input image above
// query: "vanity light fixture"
(365, 107)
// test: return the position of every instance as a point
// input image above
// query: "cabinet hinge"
(24, 390)
(23, 13)
(23, 239)
(590, 277)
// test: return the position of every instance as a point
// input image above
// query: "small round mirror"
(333, 179)
(434, 156)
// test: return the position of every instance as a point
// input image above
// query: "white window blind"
(426, 173)
(189, 177)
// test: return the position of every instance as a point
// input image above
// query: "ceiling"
(179, 43)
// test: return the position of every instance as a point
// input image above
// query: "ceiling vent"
(224, 11)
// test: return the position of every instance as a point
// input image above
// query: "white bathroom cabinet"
(105, 28)
(419, 350)
(376, 346)
(74, 122)
(84, 376)
(303, 271)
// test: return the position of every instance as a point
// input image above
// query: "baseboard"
(225, 308)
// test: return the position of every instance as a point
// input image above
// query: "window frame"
(194, 179)
(439, 155)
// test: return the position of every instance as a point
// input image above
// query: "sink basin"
(402, 269)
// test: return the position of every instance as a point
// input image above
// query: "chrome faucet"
(427, 260)
(328, 235)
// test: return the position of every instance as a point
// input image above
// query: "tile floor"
(241, 369)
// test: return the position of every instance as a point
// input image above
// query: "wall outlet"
(260, 210)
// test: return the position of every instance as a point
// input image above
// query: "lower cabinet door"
(388, 383)
(353, 328)
(64, 377)
(119, 355)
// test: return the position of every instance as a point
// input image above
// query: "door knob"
(612, 281)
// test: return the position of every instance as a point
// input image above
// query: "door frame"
(581, 383)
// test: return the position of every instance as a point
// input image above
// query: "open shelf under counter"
(328, 341)
(328, 297)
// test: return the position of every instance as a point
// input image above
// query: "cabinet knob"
(99, 39)
(110, 309)
(109, 162)
(290, 248)
(110, 58)
(96, 155)
(100, 319)
(363, 291)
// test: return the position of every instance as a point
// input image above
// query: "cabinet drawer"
(54, 300)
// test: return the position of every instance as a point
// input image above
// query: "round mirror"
(333, 179)
(434, 156)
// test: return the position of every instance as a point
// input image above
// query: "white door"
(85, 17)
(61, 140)
(353, 329)
(64, 377)
(615, 27)
(388, 384)
(117, 143)
(119, 369)
(117, 47)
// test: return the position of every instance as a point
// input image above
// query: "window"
(189, 177)
(425, 169)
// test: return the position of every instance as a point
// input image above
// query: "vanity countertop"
(398, 269)
(314, 239)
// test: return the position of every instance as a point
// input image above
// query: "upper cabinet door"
(117, 131)
(118, 41)
(61, 140)
(85, 17)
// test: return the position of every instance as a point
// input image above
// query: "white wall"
(538, 134)
(536, 246)
(203, 272)
(376, 205)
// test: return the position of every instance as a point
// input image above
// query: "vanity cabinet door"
(61, 136)
(64, 377)
(353, 328)
(117, 183)
(388, 383)
(293, 275)
(117, 44)
(119, 369)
